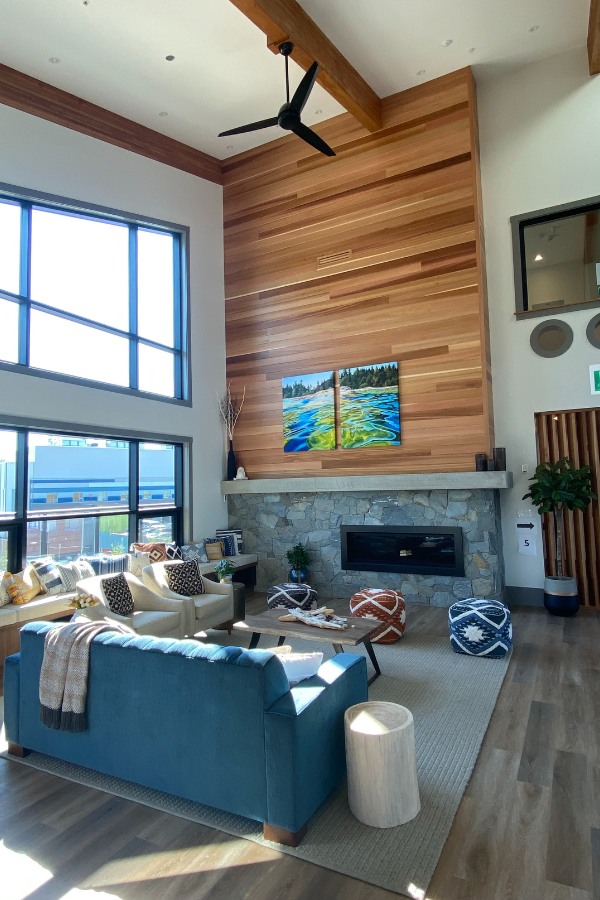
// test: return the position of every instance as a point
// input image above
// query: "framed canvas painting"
(370, 406)
(308, 412)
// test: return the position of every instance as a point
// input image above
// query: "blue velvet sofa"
(218, 725)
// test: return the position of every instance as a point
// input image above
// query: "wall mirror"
(557, 258)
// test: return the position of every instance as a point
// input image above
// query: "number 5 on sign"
(527, 532)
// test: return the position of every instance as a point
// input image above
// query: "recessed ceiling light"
(163, 114)
(318, 112)
(447, 42)
(54, 60)
(229, 147)
(534, 28)
(538, 257)
(421, 71)
(170, 57)
(472, 49)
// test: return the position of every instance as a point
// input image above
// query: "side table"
(239, 604)
(383, 790)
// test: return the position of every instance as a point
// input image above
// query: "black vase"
(231, 464)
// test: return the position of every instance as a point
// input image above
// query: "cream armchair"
(213, 607)
(154, 615)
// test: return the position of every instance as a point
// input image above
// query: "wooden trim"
(286, 20)
(37, 98)
(593, 40)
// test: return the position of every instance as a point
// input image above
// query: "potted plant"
(224, 569)
(298, 558)
(553, 488)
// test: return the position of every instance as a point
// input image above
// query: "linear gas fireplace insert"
(422, 550)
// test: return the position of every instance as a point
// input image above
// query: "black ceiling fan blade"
(304, 88)
(312, 138)
(253, 126)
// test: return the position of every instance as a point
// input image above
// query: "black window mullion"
(133, 309)
(178, 335)
(21, 484)
(24, 284)
(134, 490)
(178, 492)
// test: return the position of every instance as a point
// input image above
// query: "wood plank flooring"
(528, 827)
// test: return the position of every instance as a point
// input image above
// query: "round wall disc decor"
(593, 331)
(551, 338)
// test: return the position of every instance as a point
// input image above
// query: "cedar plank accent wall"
(372, 256)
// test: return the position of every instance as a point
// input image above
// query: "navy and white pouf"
(291, 596)
(480, 627)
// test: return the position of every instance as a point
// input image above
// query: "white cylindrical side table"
(383, 790)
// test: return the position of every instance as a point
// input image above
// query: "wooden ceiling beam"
(286, 20)
(593, 41)
(45, 101)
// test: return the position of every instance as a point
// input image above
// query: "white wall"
(539, 134)
(39, 155)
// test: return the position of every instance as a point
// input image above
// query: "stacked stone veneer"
(273, 523)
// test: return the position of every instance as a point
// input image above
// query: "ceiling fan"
(288, 116)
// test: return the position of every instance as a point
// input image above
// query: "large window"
(64, 495)
(92, 294)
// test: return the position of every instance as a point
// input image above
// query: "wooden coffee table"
(359, 631)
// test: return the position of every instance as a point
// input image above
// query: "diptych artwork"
(370, 406)
(308, 412)
(369, 409)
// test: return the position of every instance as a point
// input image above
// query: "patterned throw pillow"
(184, 578)
(174, 551)
(137, 562)
(232, 540)
(214, 549)
(83, 568)
(117, 593)
(4, 598)
(157, 552)
(22, 587)
(69, 575)
(194, 551)
(48, 575)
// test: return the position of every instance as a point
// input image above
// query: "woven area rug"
(451, 697)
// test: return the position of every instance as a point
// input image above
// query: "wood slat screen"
(375, 255)
(574, 433)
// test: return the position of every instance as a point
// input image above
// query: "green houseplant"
(298, 558)
(553, 488)
(224, 569)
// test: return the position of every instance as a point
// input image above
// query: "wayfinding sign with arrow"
(527, 533)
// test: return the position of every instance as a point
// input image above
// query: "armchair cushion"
(184, 578)
(118, 596)
(152, 614)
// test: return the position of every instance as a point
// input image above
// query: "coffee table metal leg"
(254, 640)
(281, 640)
(338, 648)
(372, 657)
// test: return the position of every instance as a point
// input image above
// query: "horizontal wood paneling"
(371, 256)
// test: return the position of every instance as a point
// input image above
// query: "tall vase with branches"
(230, 407)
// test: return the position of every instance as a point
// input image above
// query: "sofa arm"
(304, 740)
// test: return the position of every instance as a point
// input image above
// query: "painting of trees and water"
(370, 406)
(308, 412)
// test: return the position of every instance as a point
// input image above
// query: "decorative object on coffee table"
(480, 627)
(385, 605)
(298, 558)
(230, 408)
(383, 790)
(553, 488)
(291, 596)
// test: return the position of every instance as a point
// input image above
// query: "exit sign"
(595, 379)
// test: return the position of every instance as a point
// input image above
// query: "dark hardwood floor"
(528, 827)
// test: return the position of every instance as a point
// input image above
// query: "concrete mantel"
(430, 481)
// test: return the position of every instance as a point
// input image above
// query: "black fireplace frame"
(405, 565)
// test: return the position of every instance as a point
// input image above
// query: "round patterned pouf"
(387, 606)
(480, 627)
(291, 596)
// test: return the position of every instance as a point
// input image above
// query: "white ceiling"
(112, 53)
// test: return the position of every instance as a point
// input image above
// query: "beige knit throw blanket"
(64, 672)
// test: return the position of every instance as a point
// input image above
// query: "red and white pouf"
(387, 606)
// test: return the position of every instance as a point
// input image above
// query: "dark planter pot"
(560, 595)
(231, 463)
(298, 576)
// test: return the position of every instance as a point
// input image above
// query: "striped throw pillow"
(48, 575)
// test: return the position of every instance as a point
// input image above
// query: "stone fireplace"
(277, 513)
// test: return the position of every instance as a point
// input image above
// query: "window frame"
(27, 200)
(16, 524)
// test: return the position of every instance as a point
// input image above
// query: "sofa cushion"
(157, 551)
(155, 622)
(23, 586)
(298, 666)
(48, 575)
(184, 578)
(8, 615)
(42, 606)
(117, 594)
